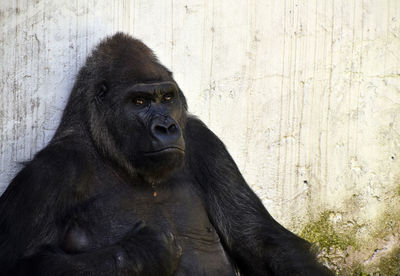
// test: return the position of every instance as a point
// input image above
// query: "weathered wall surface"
(305, 94)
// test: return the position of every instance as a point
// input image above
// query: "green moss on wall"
(323, 233)
(390, 264)
(337, 239)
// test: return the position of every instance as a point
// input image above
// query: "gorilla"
(133, 184)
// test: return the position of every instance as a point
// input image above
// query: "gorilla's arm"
(258, 244)
(141, 253)
(33, 214)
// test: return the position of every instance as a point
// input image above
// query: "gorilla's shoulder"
(196, 130)
(57, 167)
(201, 138)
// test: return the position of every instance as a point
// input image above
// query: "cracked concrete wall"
(305, 94)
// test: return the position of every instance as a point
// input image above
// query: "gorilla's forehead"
(154, 87)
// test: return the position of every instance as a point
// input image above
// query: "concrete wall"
(305, 94)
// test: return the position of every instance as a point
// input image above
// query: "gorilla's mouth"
(171, 149)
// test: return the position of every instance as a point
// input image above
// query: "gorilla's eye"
(168, 97)
(138, 101)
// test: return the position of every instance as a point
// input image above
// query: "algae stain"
(390, 264)
(323, 233)
(337, 242)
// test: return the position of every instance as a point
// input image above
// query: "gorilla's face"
(147, 121)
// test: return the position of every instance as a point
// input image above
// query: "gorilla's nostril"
(172, 128)
(161, 129)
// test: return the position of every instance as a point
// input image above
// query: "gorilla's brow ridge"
(154, 87)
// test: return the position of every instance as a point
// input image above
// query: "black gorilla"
(131, 184)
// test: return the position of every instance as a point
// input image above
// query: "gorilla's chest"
(178, 210)
(108, 217)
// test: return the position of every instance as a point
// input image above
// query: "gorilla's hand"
(148, 252)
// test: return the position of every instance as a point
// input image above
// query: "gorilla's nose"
(167, 132)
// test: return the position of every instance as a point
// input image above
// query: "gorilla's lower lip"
(167, 149)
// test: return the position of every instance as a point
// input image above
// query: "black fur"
(127, 188)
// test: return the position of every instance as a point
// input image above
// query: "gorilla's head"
(132, 108)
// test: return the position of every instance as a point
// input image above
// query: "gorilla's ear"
(102, 90)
